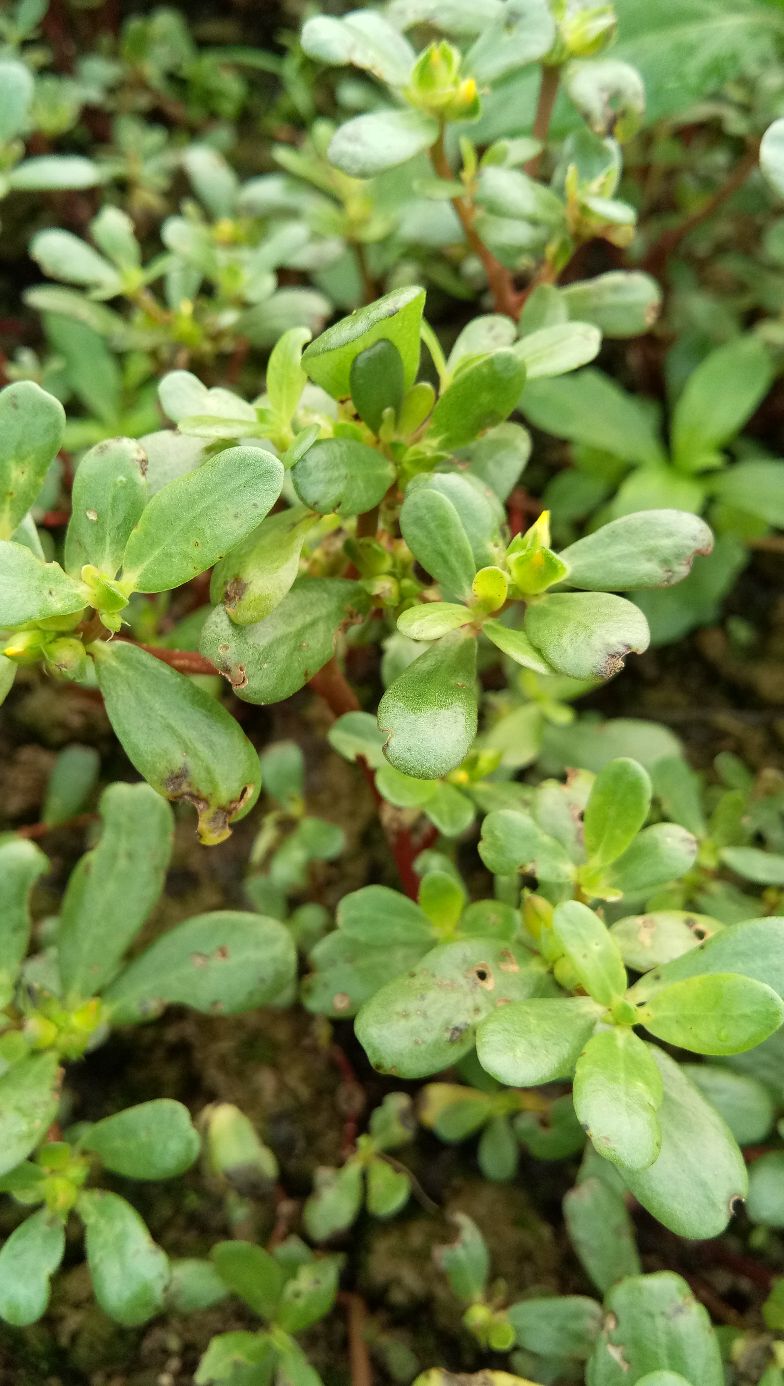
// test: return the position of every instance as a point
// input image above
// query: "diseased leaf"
(653, 1323)
(586, 635)
(222, 962)
(109, 494)
(269, 660)
(654, 548)
(179, 738)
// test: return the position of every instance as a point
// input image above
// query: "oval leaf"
(154, 1140)
(539, 1041)
(429, 713)
(654, 548)
(32, 591)
(342, 476)
(108, 497)
(720, 1013)
(28, 1104)
(179, 738)
(32, 423)
(129, 1272)
(586, 635)
(617, 1094)
(29, 1257)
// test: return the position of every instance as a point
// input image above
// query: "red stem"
(184, 661)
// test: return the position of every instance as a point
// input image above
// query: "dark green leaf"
(342, 476)
(482, 395)
(377, 382)
(252, 1273)
(395, 317)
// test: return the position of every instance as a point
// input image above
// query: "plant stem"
(548, 91)
(358, 1355)
(33, 831)
(499, 279)
(367, 524)
(656, 260)
(184, 661)
(369, 286)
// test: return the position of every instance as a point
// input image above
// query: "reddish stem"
(35, 830)
(184, 661)
(505, 297)
(656, 260)
(548, 91)
(358, 1356)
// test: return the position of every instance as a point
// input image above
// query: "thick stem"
(656, 260)
(184, 661)
(500, 281)
(548, 91)
(369, 286)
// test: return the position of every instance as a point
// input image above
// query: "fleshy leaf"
(617, 1093)
(129, 1272)
(153, 1140)
(108, 497)
(586, 635)
(429, 713)
(654, 548)
(32, 423)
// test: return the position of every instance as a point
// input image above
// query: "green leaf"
(617, 808)
(21, 864)
(591, 950)
(719, 397)
(29, 1093)
(423, 1022)
(396, 317)
(431, 620)
(32, 591)
(153, 1140)
(365, 40)
(237, 1359)
(429, 713)
(342, 476)
(269, 660)
(654, 548)
(129, 1272)
(754, 864)
(719, 1013)
(436, 536)
(256, 575)
(555, 350)
(647, 940)
(179, 738)
(586, 635)
(653, 1323)
(696, 1179)
(664, 852)
(286, 378)
(617, 1093)
(252, 1273)
(308, 1296)
(54, 173)
(754, 948)
(16, 95)
(371, 144)
(516, 645)
(561, 1326)
(766, 1190)
(32, 423)
(199, 517)
(74, 776)
(356, 736)
(539, 1041)
(590, 408)
(377, 382)
(194, 1285)
(621, 303)
(108, 497)
(29, 1257)
(64, 256)
(513, 841)
(466, 1262)
(601, 1231)
(388, 1189)
(335, 1202)
(482, 394)
(376, 912)
(223, 962)
(771, 156)
(744, 1102)
(755, 488)
(113, 887)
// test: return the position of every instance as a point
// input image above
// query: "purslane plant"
(378, 472)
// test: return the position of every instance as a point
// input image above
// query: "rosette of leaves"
(367, 1178)
(289, 1289)
(123, 540)
(649, 1331)
(61, 1000)
(587, 839)
(388, 459)
(130, 1273)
